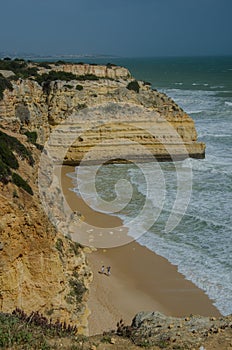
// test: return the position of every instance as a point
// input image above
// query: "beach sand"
(140, 280)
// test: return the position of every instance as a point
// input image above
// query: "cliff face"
(100, 71)
(40, 270)
(38, 108)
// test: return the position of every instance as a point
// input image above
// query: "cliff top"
(35, 332)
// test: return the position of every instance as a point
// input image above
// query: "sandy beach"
(140, 280)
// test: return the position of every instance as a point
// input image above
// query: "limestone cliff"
(40, 269)
(42, 107)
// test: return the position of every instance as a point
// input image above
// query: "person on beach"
(102, 269)
(108, 270)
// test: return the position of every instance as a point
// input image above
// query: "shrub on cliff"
(87, 77)
(11, 144)
(31, 136)
(4, 172)
(4, 84)
(53, 75)
(110, 65)
(18, 181)
(33, 331)
(19, 68)
(6, 154)
(79, 87)
(133, 85)
(44, 65)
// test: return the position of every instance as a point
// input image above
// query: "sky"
(126, 28)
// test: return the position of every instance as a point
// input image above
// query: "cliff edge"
(48, 94)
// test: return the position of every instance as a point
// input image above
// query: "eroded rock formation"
(40, 269)
(42, 108)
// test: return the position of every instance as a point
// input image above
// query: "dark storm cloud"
(127, 28)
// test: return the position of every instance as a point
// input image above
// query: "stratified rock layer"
(40, 269)
(33, 107)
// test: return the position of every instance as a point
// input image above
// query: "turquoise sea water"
(201, 245)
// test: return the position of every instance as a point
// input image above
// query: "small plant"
(5, 172)
(59, 245)
(10, 144)
(59, 62)
(31, 136)
(79, 87)
(44, 65)
(18, 181)
(147, 83)
(50, 312)
(77, 290)
(133, 85)
(81, 106)
(110, 65)
(53, 76)
(87, 77)
(68, 86)
(75, 246)
(106, 339)
(15, 194)
(4, 84)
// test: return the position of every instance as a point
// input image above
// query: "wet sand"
(140, 280)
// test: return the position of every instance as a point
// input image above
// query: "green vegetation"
(147, 83)
(18, 181)
(77, 291)
(9, 146)
(27, 70)
(133, 85)
(19, 67)
(87, 77)
(6, 155)
(106, 339)
(53, 75)
(75, 247)
(60, 62)
(22, 331)
(110, 65)
(31, 136)
(59, 245)
(15, 194)
(21, 70)
(79, 87)
(68, 86)
(4, 84)
(5, 172)
(44, 65)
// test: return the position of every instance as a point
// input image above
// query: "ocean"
(201, 244)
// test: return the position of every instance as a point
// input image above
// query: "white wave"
(213, 135)
(190, 262)
(195, 101)
(211, 166)
(195, 112)
(228, 103)
(217, 87)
